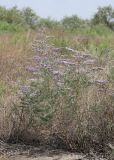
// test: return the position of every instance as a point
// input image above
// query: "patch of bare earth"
(26, 152)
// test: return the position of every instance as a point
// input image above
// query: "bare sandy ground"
(26, 152)
(59, 155)
(54, 157)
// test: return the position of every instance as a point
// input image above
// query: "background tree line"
(27, 18)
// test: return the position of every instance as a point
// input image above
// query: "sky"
(57, 9)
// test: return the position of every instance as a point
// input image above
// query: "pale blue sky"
(57, 9)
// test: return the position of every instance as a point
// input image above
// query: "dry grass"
(15, 51)
(81, 109)
(3, 158)
(15, 55)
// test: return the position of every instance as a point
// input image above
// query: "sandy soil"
(24, 152)
(54, 157)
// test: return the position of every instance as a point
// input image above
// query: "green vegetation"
(72, 23)
(13, 18)
(57, 79)
(103, 16)
(5, 26)
(27, 18)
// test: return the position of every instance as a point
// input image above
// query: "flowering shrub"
(68, 103)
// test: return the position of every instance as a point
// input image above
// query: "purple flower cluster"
(31, 69)
(51, 58)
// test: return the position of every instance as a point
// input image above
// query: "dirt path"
(67, 156)
(28, 152)
(54, 157)
(23, 152)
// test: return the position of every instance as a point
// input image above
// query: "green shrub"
(16, 19)
(72, 23)
(49, 23)
(4, 26)
(103, 15)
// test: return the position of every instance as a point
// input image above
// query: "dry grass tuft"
(15, 54)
